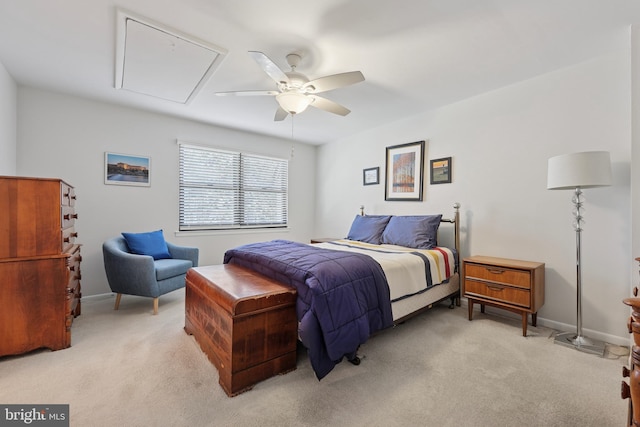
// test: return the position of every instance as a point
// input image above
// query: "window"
(227, 190)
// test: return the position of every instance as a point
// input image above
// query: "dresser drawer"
(67, 195)
(72, 307)
(69, 236)
(73, 285)
(498, 292)
(68, 216)
(501, 275)
(73, 265)
(74, 280)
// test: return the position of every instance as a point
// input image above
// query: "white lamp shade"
(293, 102)
(579, 170)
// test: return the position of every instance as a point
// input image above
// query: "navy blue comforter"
(343, 297)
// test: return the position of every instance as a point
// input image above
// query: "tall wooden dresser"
(39, 264)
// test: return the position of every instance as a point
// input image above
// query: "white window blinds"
(224, 189)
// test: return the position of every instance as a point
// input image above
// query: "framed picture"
(125, 169)
(405, 167)
(441, 170)
(371, 176)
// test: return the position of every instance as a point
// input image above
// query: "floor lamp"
(575, 172)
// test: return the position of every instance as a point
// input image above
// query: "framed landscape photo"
(371, 176)
(404, 172)
(441, 170)
(125, 169)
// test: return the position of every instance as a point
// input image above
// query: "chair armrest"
(184, 252)
(130, 273)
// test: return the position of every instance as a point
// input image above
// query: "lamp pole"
(578, 340)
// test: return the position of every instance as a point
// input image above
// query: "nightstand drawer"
(496, 274)
(497, 292)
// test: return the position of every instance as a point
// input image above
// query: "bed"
(386, 270)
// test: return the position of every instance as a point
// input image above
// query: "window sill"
(193, 233)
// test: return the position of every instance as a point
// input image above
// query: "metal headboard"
(456, 231)
(456, 226)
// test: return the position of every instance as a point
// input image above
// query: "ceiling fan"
(295, 91)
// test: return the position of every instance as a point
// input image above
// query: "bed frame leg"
(453, 302)
(355, 360)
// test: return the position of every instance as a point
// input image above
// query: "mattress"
(416, 277)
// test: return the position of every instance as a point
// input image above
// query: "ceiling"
(416, 55)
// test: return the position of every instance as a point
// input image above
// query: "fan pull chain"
(292, 141)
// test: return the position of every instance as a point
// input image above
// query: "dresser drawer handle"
(67, 217)
(495, 288)
(71, 236)
(495, 270)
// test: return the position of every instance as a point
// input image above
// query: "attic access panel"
(161, 62)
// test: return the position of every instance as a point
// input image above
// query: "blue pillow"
(368, 228)
(151, 243)
(418, 232)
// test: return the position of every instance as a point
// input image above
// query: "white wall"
(635, 151)
(8, 138)
(66, 137)
(500, 143)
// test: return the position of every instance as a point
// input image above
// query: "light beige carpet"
(130, 368)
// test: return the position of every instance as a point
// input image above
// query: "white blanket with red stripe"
(409, 271)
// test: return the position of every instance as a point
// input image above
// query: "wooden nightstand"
(324, 239)
(509, 284)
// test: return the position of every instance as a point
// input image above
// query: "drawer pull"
(495, 288)
(67, 217)
(625, 390)
(71, 235)
(495, 270)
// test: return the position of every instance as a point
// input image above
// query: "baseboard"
(608, 338)
(559, 326)
(98, 296)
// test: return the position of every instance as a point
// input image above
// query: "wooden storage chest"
(244, 322)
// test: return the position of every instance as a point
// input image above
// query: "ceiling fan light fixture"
(293, 102)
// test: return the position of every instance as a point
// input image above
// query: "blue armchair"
(141, 275)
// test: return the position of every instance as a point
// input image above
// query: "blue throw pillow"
(151, 243)
(418, 232)
(368, 228)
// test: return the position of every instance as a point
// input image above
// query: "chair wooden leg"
(155, 306)
(117, 301)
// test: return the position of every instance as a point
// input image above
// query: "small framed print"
(441, 170)
(125, 169)
(371, 176)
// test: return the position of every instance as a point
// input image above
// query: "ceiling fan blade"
(269, 67)
(281, 114)
(334, 81)
(248, 93)
(327, 105)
